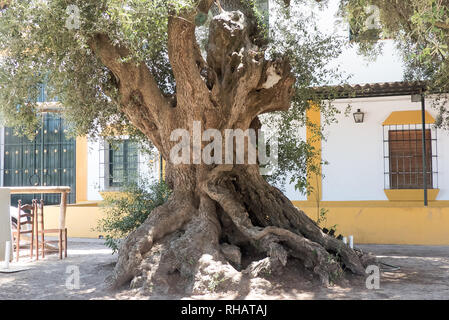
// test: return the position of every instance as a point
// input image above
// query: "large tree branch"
(250, 85)
(185, 58)
(141, 99)
(185, 63)
(274, 91)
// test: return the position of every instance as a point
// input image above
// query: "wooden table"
(62, 207)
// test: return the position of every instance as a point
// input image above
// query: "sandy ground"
(424, 274)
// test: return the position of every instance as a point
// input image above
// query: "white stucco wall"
(93, 170)
(386, 67)
(443, 164)
(354, 151)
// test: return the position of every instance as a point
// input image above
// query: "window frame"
(106, 166)
(433, 141)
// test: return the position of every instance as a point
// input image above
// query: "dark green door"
(48, 160)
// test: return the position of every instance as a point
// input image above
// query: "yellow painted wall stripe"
(407, 117)
(372, 204)
(81, 169)
(403, 223)
(313, 138)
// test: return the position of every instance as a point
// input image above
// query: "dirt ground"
(423, 274)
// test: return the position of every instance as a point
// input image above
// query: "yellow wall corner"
(81, 169)
(314, 139)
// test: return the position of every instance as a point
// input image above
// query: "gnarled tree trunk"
(216, 212)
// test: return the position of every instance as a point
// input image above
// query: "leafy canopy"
(45, 42)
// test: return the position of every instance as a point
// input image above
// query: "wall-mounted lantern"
(358, 116)
(416, 98)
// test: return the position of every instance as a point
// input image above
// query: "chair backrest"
(22, 214)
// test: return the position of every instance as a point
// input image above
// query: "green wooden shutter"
(48, 160)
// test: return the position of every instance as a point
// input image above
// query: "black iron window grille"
(403, 156)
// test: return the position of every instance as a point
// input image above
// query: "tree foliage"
(45, 43)
(49, 43)
(421, 31)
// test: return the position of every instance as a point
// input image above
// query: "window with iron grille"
(403, 157)
(119, 164)
(47, 160)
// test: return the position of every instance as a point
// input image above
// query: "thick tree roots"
(196, 246)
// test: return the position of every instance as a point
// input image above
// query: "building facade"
(372, 186)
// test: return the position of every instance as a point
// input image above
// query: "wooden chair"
(29, 220)
(41, 231)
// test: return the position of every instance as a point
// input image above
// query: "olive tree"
(150, 68)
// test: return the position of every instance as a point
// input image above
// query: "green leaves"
(294, 35)
(46, 43)
(126, 210)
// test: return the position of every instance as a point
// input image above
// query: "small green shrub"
(127, 209)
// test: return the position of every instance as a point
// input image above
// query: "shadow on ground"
(424, 274)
